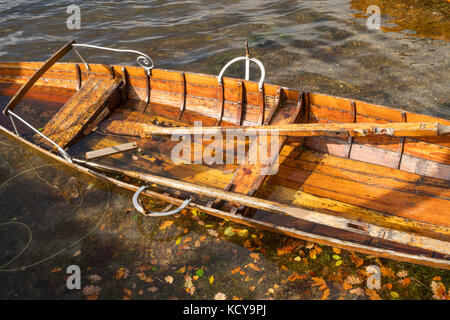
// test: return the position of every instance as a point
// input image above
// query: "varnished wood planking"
(81, 110)
(276, 192)
(378, 192)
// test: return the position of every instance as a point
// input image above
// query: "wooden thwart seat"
(87, 107)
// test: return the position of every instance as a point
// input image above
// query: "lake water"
(62, 218)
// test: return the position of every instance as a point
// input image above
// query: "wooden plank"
(294, 212)
(339, 130)
(383, 189)
(111, 150)
(277, 192)
(51, 61)
(248, 177)
(87, 106)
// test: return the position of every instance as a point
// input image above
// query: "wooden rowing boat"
(349, 174)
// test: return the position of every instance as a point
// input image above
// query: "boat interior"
(400, 183)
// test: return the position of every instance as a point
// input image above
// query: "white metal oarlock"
(247, 68)
(143, 60)
(146, 213)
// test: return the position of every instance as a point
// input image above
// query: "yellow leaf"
(166, 224)
(243, 233)
(338, 263)
(120, 273)
(211, 279)
(178, 241)
(395, 295)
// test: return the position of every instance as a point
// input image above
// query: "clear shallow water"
(322, 46)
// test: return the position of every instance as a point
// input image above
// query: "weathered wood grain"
(84, 108)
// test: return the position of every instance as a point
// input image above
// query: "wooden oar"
(296, 212)
(394, 129)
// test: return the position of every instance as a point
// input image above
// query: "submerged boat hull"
(401, 184)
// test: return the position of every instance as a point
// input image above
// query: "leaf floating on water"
(358, 291)
(406, 281)
(211, 280)
(166, 224)
(178, 241)
(91, 290)
(356, 260)
(346, 286)
(220, 296)
(189, 285)
(229, 232)
(243, 233)
(142, 276)
(181, 270)
(213, 233)
(152, 289)
(395, 295)
(122, 273)
(372, 294)
(76, 253)
(402, 273)
(353, 280)
(253, 266)
(309, 245)
(297, 258)
(338, 263)
(200, 272)
(295, 276)
(325, 294)
(95, 278)
(286, 250)
(387, 272)
(319, 282)
(55, 270)
(336, 257)
(235, 270)
(168, 279)
(254, 255)
(439, 290)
